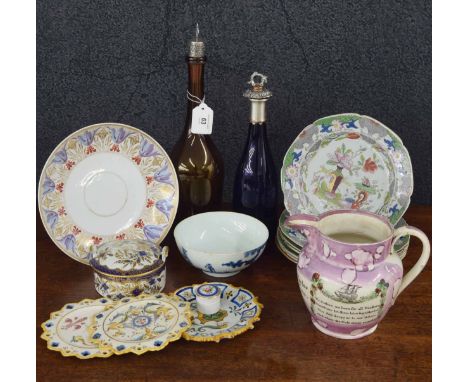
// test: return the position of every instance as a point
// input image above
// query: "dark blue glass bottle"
(255, 189)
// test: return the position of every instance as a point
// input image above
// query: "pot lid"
(127, 257)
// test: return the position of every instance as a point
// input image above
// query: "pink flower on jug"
(361, 259)
(327, 252)
(348, 275)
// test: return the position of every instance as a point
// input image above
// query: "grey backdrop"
(123, 61)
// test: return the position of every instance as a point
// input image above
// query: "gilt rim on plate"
(150, 161)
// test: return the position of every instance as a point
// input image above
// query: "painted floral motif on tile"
(67, 330)
(151, 161)
(142, 324)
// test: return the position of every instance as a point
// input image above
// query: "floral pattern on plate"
(347, 161)
(239, 310)
(67, 329)
(141, 324)
(139, 152)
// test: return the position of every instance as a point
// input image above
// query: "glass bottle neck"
(196, 68)
(257, 111)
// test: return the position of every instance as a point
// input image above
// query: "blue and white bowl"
(221, 243)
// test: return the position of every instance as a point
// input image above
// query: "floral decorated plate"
(347, 161)
(105, 182)
(141, 324)
(67, 329)
(287, 244)
(239, 310)
(290, 254)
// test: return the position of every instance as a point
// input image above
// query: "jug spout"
(303, 221)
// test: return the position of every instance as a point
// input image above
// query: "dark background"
(123, 61)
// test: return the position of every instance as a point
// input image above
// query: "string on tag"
(202, 116)
(195, 99)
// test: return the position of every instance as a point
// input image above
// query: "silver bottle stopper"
(257, 90)
(258, 95)
(196, 45)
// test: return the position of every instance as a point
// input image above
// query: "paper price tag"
(202, 119)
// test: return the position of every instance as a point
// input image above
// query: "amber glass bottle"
(198, 163)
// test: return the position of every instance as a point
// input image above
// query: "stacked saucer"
(290, 241)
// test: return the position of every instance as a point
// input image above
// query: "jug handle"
(423, 258)
(302, 221)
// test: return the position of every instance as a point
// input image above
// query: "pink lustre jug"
(348, 274)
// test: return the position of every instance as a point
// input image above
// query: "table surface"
(284, 346)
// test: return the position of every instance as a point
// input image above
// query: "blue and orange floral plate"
(105, 182)
(347, 161)
(240, 309)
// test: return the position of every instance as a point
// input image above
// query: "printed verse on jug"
(345, 313)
